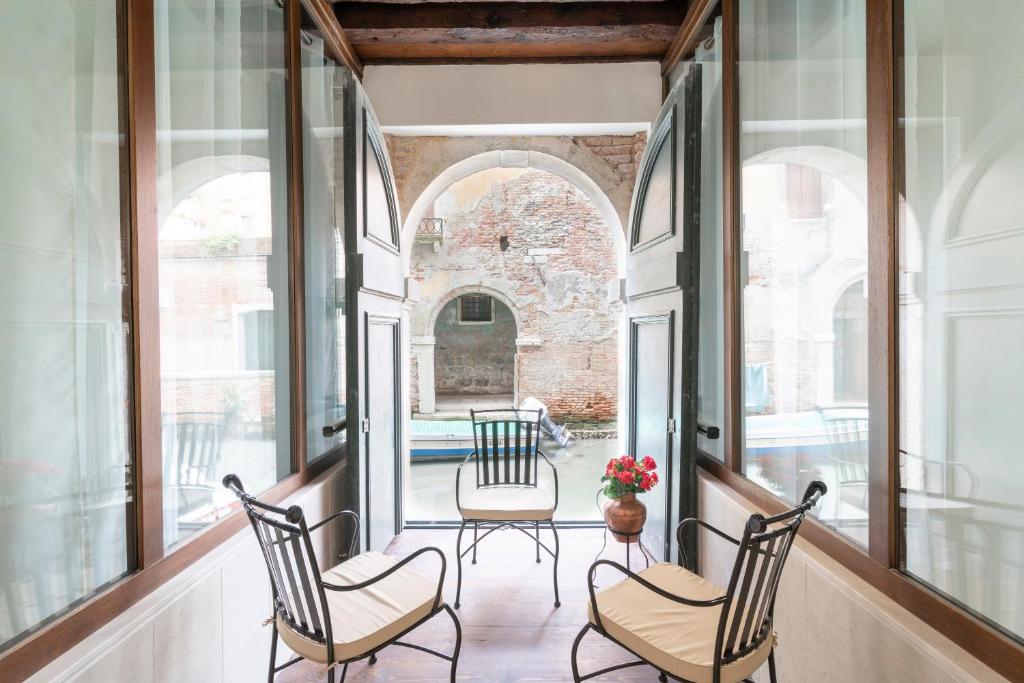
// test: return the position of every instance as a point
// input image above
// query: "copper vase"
(625, 517)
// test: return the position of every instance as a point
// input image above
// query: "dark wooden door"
(661, 307)
(376, 291)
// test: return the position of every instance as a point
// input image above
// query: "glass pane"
(325, 249)
(378, 222)
(656, 207)
(64, 426)
(803, 140)
(962, 305)
(223, 248)
(711, 355)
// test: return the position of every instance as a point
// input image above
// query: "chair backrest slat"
(747, 613)
(307, 589)
(291, 590)
(754, 608)
(499, 459)
(495, 450)
(739, 604)
(519, 446)
(484, 454)
(507, 457)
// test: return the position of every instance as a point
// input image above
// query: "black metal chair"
(507, 454)
(687, 627)
(349, 612)
(847, 431)
(192, 448)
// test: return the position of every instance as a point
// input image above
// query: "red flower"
(645, 482)
(626, 478)
(648, 463)
(627, 462)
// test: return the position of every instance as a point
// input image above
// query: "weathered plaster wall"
(609, 160)
(476, 358)
(553, 276)
(568, 350)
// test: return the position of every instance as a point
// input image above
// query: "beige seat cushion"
(674, 637)
(364, 619)
(501, 503)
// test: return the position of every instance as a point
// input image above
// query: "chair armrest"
(554, 472)
(694, 520)
(391, 570)
(646, 584)
(458, 476)
(354, 540)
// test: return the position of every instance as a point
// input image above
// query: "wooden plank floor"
(511, 630)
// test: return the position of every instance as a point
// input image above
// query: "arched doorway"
(474, 353)
(850, 353)
(515, 272)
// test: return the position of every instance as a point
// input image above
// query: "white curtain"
(63, 375)
(222, 180)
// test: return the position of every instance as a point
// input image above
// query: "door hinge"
(365, 425)
(671, 425)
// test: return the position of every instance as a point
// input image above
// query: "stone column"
(423, 349)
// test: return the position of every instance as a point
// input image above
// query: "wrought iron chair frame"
(755, 533)
(491, 525)
(295, 525)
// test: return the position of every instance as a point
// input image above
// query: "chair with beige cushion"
(349, 612)
(506, 493)
(688, 628)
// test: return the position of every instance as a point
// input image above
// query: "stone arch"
(424, 344)
(516, 159)
(431, 319)
(851, 171)
(188, 176)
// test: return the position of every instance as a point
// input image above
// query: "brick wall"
(554, 273)
(474, 358)
(621, 152)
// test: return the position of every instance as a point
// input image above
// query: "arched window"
(849, 359)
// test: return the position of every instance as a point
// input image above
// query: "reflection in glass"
(322, 167)
(711, 356)
(654, 193)
(64, 401)
(962, 306)
(223, 248)
(804, 240)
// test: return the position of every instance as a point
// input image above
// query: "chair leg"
(771, 667)
(536, 533)
(273, 652)
(458, 562)
(555, 532)
(575, 650)
(458, 640)
(476, 528)
(373, 658)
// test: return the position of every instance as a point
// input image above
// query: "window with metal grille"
(476, 308)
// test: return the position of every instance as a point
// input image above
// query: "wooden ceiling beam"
(510, 31)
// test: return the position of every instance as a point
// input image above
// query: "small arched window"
(850, 356)
(257, 339)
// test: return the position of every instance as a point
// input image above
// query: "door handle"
(335, 427)
(710, 431)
